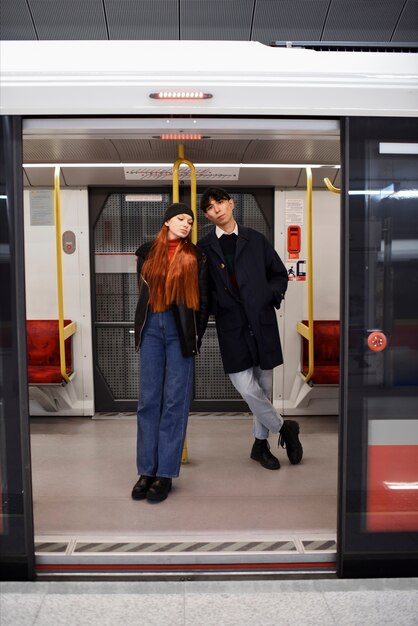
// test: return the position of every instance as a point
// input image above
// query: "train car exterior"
(374, 98)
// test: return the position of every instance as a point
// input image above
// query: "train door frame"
(17, 542)
(28, 565)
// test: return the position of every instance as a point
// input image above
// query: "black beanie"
(177, 209)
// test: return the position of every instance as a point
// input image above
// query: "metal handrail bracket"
(331, 187)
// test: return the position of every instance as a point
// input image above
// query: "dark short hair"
(213, 193)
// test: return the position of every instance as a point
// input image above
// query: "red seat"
(44, 352)
(326, 352)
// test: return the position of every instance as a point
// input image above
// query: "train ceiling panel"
(294, 151)
(229, 141)
(60, 150)
(166, 151)
(245, 20)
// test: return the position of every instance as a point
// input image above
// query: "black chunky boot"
(289, 439)
(261, 452)
(139, 492)
(159, 489)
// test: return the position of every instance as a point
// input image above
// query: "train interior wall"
(41, 290)
(84, 462)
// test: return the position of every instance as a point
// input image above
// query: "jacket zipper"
(195, 330)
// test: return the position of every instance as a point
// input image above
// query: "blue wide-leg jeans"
(165, 389)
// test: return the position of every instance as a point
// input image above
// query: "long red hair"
(174, 282)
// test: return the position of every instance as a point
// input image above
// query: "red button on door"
(377, 341)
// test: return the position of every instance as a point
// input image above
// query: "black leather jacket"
(191, 325)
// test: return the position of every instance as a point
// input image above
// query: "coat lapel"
(216, 246)
(242, 240)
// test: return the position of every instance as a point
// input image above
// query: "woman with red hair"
(170, 320)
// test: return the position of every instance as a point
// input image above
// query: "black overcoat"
(262, 281)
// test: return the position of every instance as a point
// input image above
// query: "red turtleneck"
(172, 246)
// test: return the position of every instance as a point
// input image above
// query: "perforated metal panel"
(74, 151)
(109, 297)
(118, 361)
(246, 212)
(288, 20)
(142, 19)
(211, 382)
(69, 19)
(108, 233)
(356, 20)
(407, 27)
(15, 21)
(308, 150)
(140, 221)
(216, 19)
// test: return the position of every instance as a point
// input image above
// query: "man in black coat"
(247, 282)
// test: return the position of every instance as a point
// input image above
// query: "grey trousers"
(255, 386)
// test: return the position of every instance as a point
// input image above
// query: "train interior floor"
(84, 470)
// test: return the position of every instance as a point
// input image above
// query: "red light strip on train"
(180, 95)
(61, 567)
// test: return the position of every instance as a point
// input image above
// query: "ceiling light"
(180, 95)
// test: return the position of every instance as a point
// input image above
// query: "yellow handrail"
(176, 196)
(64, 331)
(331, 187)
(302, 329)
(176, 193)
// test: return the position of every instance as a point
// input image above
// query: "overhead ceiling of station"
(265, 21)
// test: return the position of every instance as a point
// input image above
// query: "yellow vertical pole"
(193, 200)
(310, 274)
(57, 210)
(193, 194)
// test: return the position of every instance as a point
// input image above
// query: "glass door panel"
(379, 463)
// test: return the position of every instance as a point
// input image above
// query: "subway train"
(319, 151)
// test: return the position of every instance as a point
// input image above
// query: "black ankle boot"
(289, 439)
(261, 452)
(139, 492)
(159, 489)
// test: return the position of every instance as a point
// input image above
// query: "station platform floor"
(372, 602)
